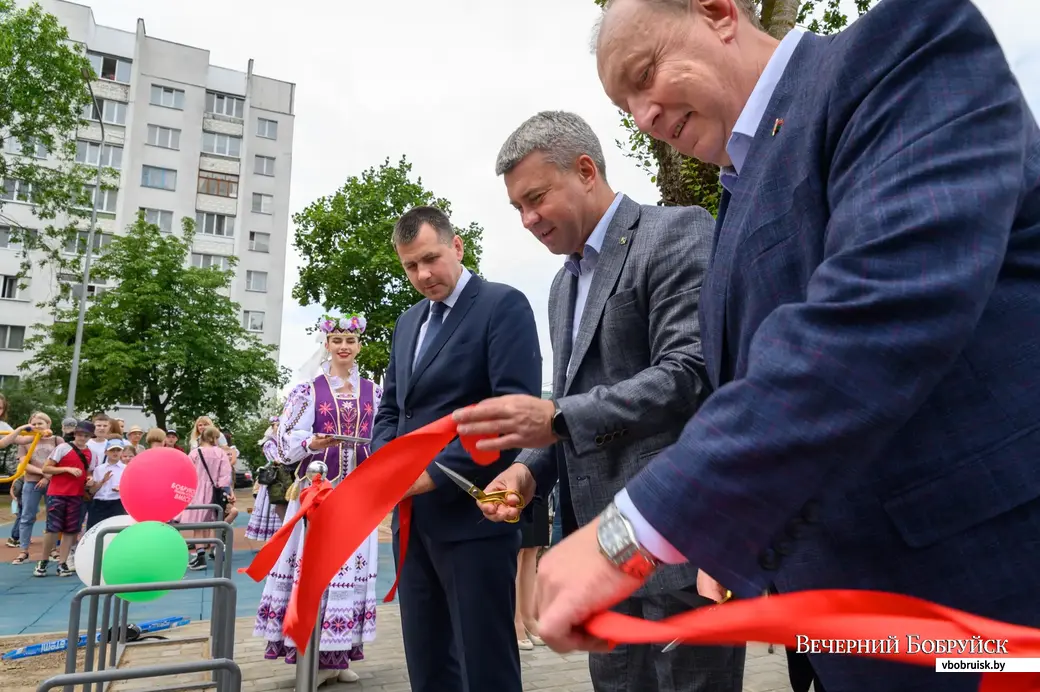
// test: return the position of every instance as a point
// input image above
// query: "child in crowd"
(156, 437)
(129, 452)
(68, 468)
(33, 484)
(103, 487)
(99, 443)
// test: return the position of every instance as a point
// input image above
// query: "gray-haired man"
(627, 370)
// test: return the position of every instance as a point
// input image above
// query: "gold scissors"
(676, 642)
(497, 497)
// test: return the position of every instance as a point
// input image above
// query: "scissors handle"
(500, 497)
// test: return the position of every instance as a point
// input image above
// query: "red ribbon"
(340, 519)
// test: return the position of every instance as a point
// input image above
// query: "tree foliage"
(166, 336)
(685, 181)
(41, 102)
(349, 261)
(247, 433)
(29, 395)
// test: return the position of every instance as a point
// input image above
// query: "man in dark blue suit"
(467, 340)
(871, 321)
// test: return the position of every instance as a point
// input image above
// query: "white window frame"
(20, 191)
(112, 112)
(101, 241)
(219, 225)
(266, 205)
(221, 144)
(247, 320)
(264, 127)
(264, 165)
(253, 243)
(10, 283)
(176, 97)
(254, 276)
(164, 137)
(165, 177)
(163, 218)
(109, 199)
(220, 104)
(13, 146)
(5, 337)
(205, 260)
(92, 150)
(99, 67)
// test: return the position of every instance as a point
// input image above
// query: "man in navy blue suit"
(871, 322)
(467, 340)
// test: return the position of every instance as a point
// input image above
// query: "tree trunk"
(158, 410)
(683, 181)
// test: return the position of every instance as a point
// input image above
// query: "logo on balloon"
(158, 484)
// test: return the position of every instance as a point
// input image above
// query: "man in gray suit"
(627, 371)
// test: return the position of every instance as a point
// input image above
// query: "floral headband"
(353, 323)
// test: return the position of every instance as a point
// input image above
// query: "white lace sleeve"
(270, 450)
(295, 425)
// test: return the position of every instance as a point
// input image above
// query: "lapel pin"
(623, 240)
(777, 125)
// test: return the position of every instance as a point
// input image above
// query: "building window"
(88, 153)
(263, 204)
(16, 191)
(220, 104)
(36, 148)
(256, 281)
(12, 337)
(165, 137)
(159, 178)
(210, 261)
(112, 69)
(167, 97)
(259, 242)
(253, 320)
(74, 289)
(267, 128)
(159, 217)
(219, 184)
(107, 202)
(10, 288)
(224, 145)
(111, 112)
(215, 224)
(78, 245)
(10, 238)
(264, 165)
(8, 381)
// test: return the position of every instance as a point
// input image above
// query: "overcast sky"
(444, 83)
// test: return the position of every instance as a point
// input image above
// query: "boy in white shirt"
(103, 486)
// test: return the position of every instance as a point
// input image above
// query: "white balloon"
(87, 545)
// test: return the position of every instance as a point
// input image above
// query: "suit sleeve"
(544, 467)
(663, 396)
(384, 428)
(514, 363)
(924, 185)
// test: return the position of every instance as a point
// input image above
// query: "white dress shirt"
(449, 303)
(108, 490)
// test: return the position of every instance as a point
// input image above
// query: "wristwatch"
(558, 424)
(617, 542)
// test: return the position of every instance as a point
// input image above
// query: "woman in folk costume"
(337, 402)
(269, 504)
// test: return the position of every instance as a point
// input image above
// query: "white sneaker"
(325, 676)
(347, 675)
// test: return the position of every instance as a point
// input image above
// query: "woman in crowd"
(34, 485)
(534, 536)
(212, 470)
(155, 438)
(269, 505)
(337, 402)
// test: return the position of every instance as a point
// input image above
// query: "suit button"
(768, 559)
(408, 414)
(796, 528)
(784, 547)
(599, 440)
(811, 512)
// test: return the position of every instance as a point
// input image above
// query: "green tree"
(166, 337)
(685, 181)
(42, 100)
(247, 433)
(349, 261)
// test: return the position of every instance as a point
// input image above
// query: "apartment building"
(188, 138)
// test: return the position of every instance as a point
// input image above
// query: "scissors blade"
(674, 644)
(461, 481)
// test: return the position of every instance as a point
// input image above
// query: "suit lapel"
(612, 256)
(561, 326)
(713, 302)
(451, 322)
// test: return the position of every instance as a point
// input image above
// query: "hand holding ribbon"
(340, 519)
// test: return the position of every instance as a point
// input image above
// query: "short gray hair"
(563, 137)
(746, 7)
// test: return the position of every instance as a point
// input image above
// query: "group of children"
(78, 473)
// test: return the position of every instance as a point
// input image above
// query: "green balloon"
(145, 553)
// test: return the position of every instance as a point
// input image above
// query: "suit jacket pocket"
(971, 492)
(620, 300)
(623, 336)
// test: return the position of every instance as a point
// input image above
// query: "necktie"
(433, 327)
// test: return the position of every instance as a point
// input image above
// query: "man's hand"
(518, 479)
(575, 582)
(422, 484)
(520, 420)
(320, 442)
(709, 588)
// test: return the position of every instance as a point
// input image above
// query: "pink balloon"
(158, 484)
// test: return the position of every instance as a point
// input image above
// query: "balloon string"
(868, 621)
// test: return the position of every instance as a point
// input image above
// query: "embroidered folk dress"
(348, 612)
(264, 522)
